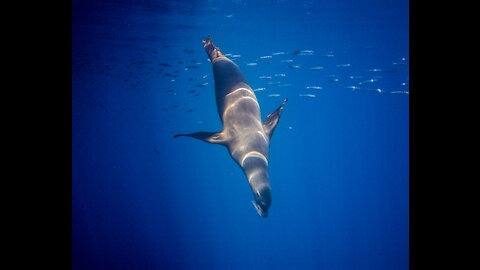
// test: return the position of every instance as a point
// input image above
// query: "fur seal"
(245, 136)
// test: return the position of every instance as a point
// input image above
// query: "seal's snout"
(263, 199)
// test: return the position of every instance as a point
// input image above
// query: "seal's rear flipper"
(272, 120)
(210, 137)
(212, 50)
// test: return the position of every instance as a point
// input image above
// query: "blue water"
(339, 158)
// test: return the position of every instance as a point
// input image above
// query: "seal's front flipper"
(210, 137)
(272, 120)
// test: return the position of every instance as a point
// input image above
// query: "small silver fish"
(306, 52)
(353, 87)
(306, 95)
(368, 81)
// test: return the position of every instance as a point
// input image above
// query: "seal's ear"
(210, 137)
(272, 120)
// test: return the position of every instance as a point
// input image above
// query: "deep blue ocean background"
(339, 158)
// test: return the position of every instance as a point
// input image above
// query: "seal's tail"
(212, 50)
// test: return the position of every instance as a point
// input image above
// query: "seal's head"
(263, 200)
